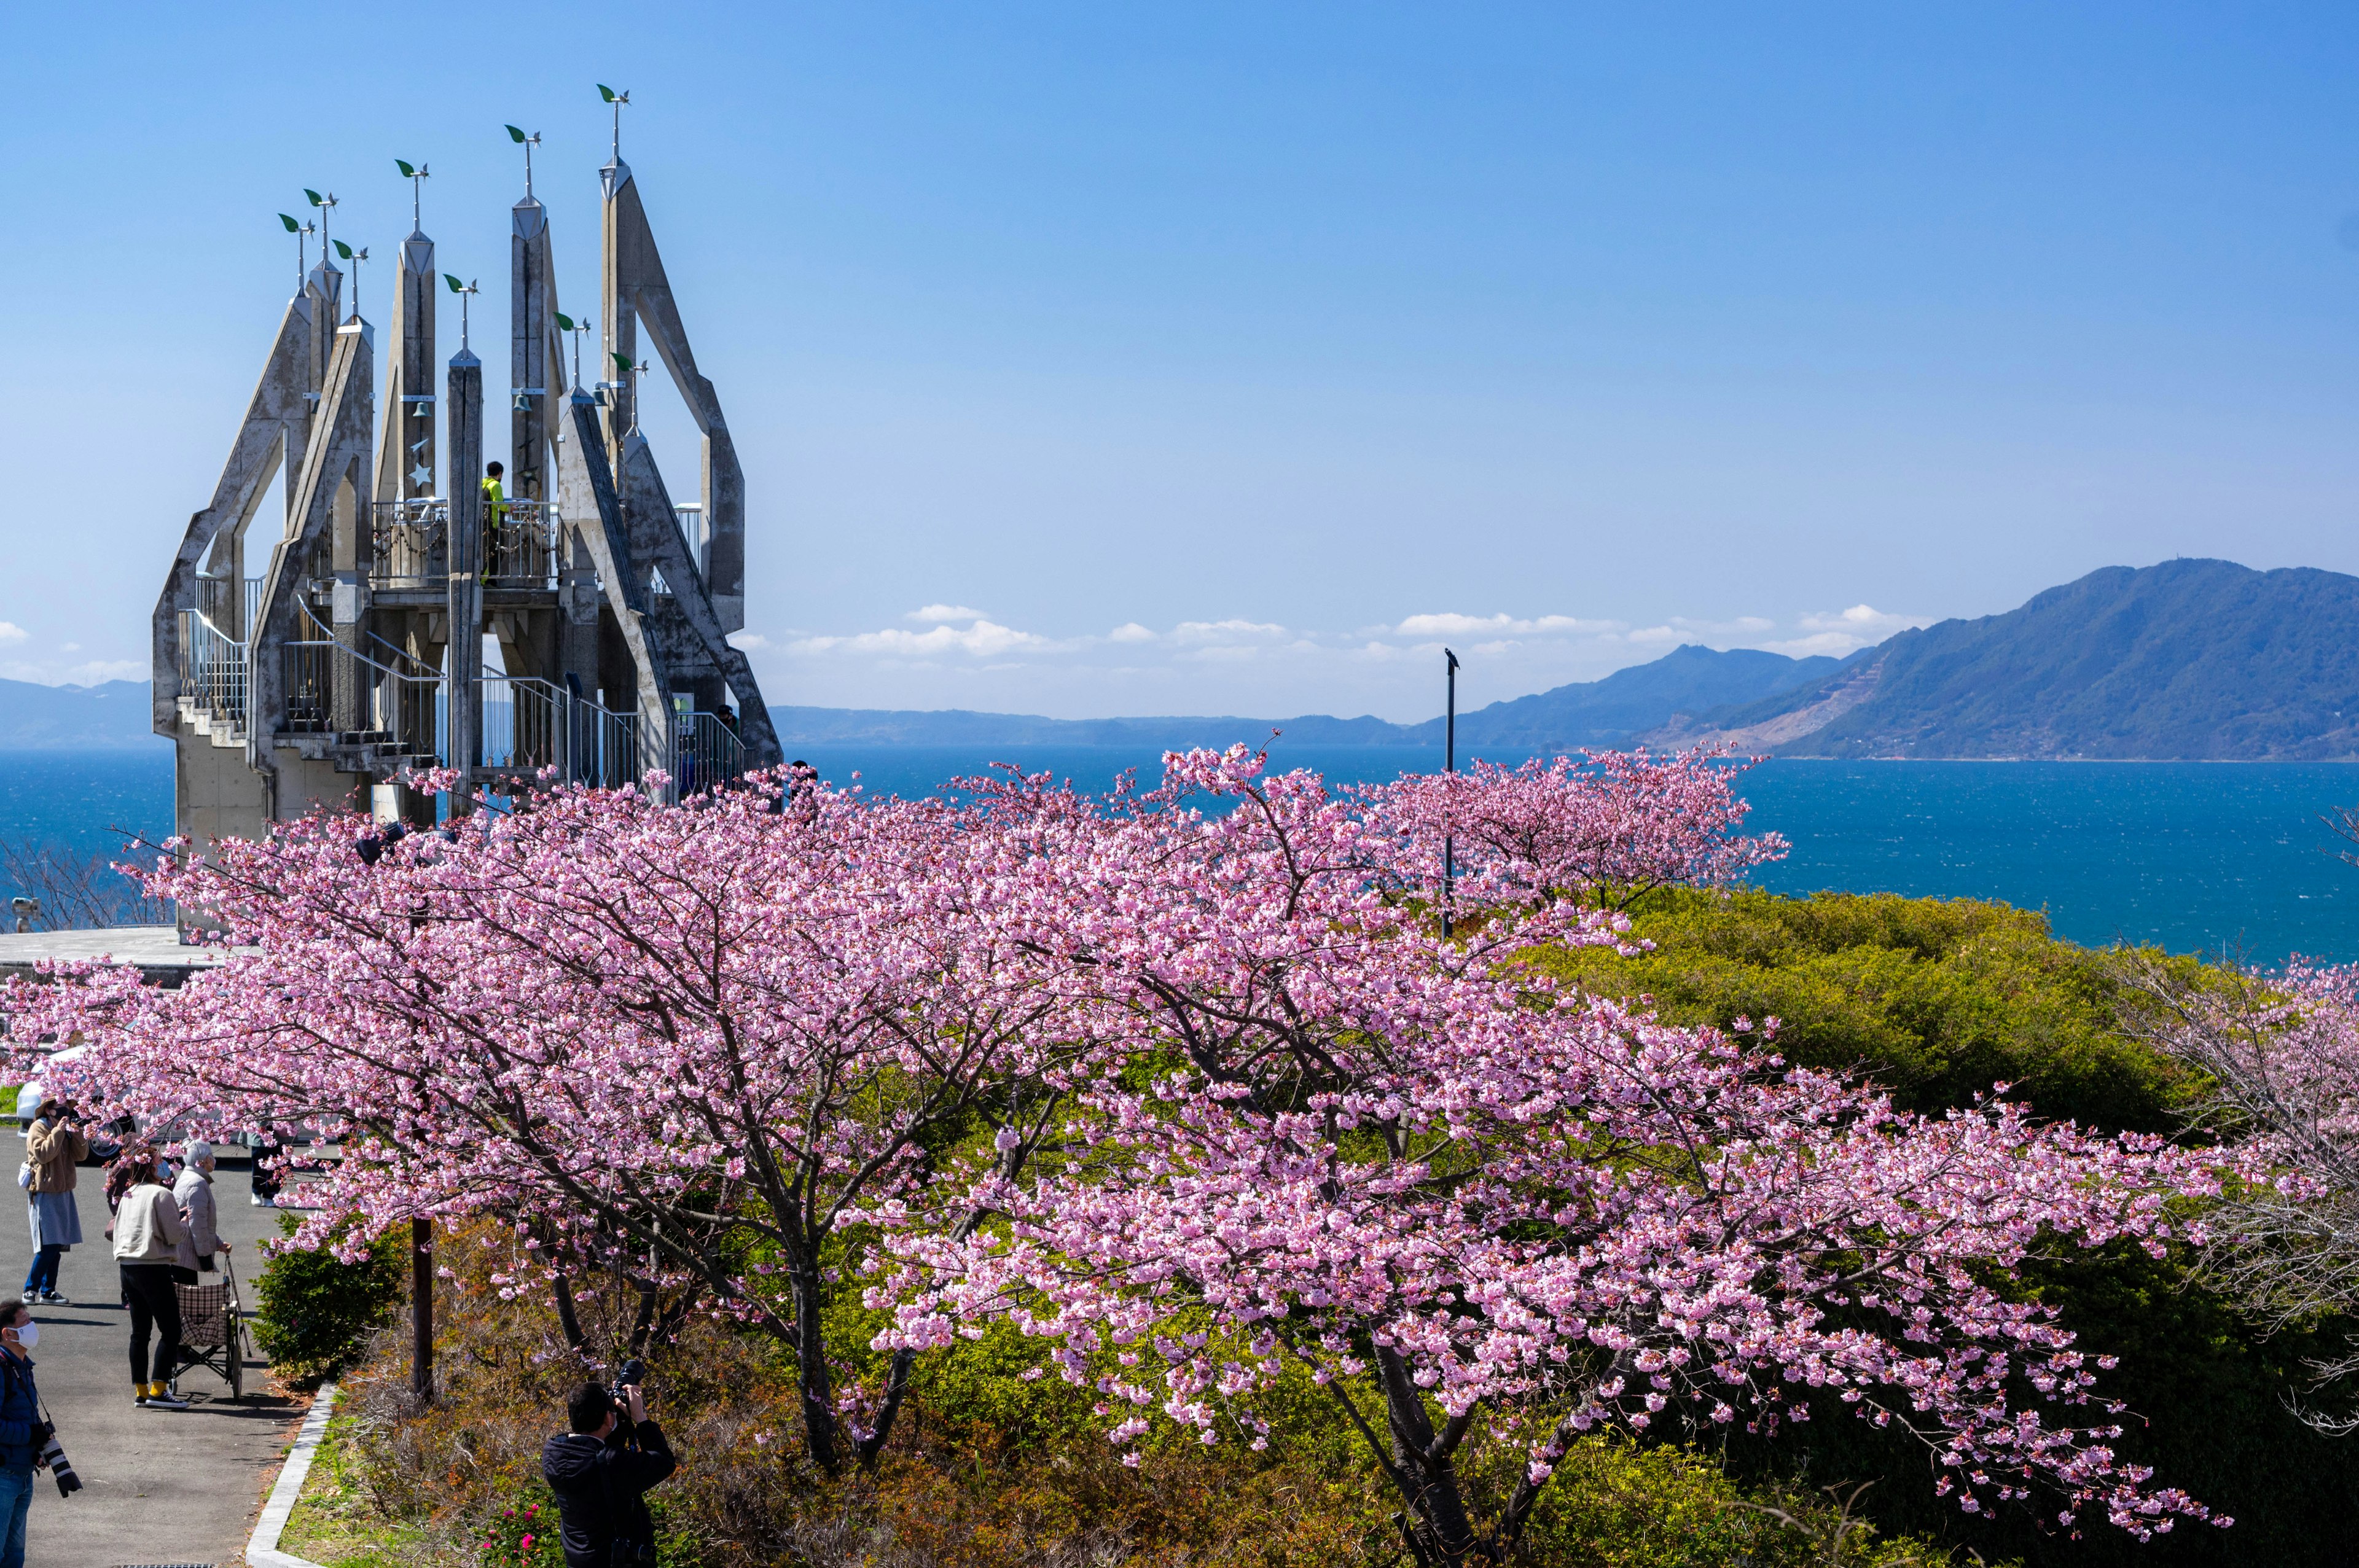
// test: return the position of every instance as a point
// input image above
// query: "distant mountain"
(75, 718)
(2189, 660)
(1689, 680)
(1614, 711)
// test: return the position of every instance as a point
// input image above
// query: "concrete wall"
(216, 795)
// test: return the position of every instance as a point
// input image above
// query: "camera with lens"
(53, 1458)
(632, 1373)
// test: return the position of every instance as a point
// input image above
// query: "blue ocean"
(2201, 856)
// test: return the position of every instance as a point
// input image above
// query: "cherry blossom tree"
(1453, 1193)
(681, 1043)
(2278, 1055)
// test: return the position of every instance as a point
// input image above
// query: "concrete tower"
(352, 661)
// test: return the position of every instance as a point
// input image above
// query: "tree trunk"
(1426, 1470)
(810, 1353)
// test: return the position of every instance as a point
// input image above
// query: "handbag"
(24, 1174)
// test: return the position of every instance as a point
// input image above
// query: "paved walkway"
(159, 1486)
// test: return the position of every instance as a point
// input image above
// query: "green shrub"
(312, 1313)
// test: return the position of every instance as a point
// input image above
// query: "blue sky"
(1096, 360)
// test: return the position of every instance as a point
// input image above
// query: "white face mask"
(27, 1332)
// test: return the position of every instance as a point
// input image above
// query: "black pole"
(422, 1309)
(1449, 765)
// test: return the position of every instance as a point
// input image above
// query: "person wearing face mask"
(21, 1428)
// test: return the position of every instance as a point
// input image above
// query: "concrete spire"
(406, 447)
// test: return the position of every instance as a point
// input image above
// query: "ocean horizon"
(2192, 857)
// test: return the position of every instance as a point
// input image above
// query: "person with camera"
(601, 1470)
(22, 1431)
(53, 1141)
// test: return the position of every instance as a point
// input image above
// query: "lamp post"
(1449, 765)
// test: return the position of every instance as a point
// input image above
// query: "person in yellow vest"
(495, 517)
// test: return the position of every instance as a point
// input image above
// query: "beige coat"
(52, 1148)
(147, 1227)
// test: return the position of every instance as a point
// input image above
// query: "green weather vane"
(465, 291)
(567, 324)
(634, 376)
(326, 204)
(516, 135)
(356, 258)
(617, 99)
(415, 176)
(302, 233)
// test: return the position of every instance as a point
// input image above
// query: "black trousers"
(154, 1306)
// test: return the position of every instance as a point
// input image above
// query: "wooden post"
(421, 1309)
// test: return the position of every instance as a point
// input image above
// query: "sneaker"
(164, 1401)
(51, 1298)
(30, 1297)
(256, 1200)
(141, 1398)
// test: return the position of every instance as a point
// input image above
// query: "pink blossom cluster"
(1189, 1084)
(1604, 830)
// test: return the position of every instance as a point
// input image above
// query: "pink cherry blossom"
(1189, 1084)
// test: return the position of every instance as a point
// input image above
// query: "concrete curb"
(262, 1551)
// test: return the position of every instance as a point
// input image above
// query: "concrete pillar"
(531, 377)
(463, 689)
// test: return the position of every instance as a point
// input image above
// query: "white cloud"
(986, 638)
(748, 642)
(1838, 633)
(1224, 630)
(12, 632)
(1449, 625)
(958, 657)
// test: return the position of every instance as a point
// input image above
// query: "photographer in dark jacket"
(599, 1471)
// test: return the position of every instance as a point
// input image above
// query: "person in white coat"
(194, 1191)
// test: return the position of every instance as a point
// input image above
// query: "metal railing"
(409, 543)
(335, 690)
(521, 547)
(213, 671)
(706, 754)
(232, 613)
(531, 724)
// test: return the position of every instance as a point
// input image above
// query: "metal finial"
(617, 99)
(414, 175)
(516, 135)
